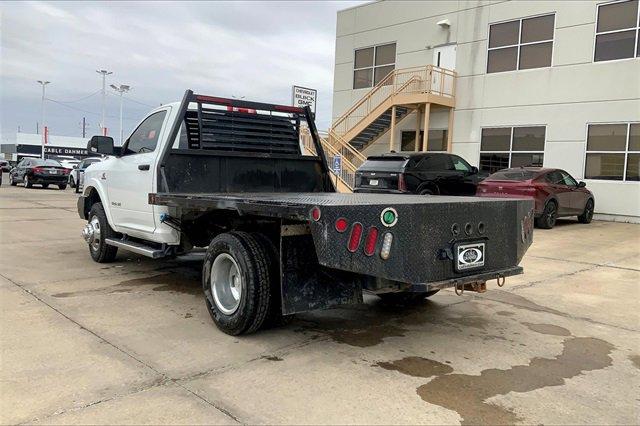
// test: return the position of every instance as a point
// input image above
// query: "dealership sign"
(302, 97)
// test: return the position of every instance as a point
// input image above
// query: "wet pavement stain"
(466, 394)
(183, 282)
(505, 313)
(471, 321)
(519, 302)
(550, 329)
(417, 367)
(635, 359)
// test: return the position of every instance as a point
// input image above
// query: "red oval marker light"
(355, 237)
(341, 224)
(315, 214)
(370, 241)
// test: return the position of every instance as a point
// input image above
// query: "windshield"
(39, 162)
(391, 165)
(518, 175)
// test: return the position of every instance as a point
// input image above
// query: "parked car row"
(555, 192)
(36, 171)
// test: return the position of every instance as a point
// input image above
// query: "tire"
(587, 215)
(27, 182)
(237, 257)
(406, 298)
(45, 185)
(62, 186)
(429, 191)
(72, 182)
(99, 250)
(549, 215)
(12, 182)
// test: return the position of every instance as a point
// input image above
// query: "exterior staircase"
(403, 91)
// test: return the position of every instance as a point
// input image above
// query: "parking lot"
(132, 342)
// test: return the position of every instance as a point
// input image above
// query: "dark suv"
(418, 173)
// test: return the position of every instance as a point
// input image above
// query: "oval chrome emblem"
(470, 256)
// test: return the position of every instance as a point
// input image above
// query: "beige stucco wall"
(573, 92)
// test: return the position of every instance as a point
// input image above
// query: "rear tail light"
(370, 241)
(355, 237)
(386, 245)
(315, 214)
(402, 185)
(66, 171)
(38, 169)
(341, 224)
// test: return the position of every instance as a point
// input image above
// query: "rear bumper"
(55, 179)
(469, 279)
(379, 191)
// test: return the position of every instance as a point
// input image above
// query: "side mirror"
(100, 145)
(581, 184)
(474, 169)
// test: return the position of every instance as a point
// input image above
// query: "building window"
(521, 44)
(617, 31)
(437, 140)
(613, 152)
(372, 64)
(504, 147)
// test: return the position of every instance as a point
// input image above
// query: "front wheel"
(549, 215)
(62, 186)
(587, 215)
(12, 181)
(406, 298)
(95, 233)
(45, 185)
(27, 182)
(237, 282)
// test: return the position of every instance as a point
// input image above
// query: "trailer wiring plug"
(171, 222)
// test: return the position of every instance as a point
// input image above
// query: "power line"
(86, 111)
(77, 100)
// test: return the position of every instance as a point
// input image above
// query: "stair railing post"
(417, 138)
(392, 130)
(425, 138)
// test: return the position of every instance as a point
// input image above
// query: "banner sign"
(302, 96)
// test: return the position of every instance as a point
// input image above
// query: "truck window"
(145, 137)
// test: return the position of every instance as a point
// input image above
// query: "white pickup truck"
(230, 175)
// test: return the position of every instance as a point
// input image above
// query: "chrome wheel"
(226, 283)
(93, 231)
(26, 181)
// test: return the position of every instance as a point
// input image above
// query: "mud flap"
(307, 286)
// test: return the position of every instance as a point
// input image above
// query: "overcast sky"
(253, 49)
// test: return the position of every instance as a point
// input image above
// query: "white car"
(74, 176)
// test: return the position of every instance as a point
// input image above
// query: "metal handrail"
(430, 79)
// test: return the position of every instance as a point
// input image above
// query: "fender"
(550, 197)
(96, 185)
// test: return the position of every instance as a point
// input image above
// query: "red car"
(555, 192)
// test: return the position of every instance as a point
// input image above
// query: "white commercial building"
(535, 83)
(30, 145)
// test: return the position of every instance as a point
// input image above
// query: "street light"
(122, 89)
(104, 73)
(44, 129)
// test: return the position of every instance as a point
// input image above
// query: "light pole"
(122, 89)
(44, 129)
(104, 73)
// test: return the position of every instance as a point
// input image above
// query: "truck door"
(131, 178)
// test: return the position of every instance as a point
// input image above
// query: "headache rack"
(214, 126)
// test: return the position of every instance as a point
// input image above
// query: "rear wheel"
(406, 298)
(98, 230)
(45, 185)
(62, 186)
(587, 215)
(12, 181)
(549, 215)
(236, 282)
(72, 182)
(428, 191)
(27, 182)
